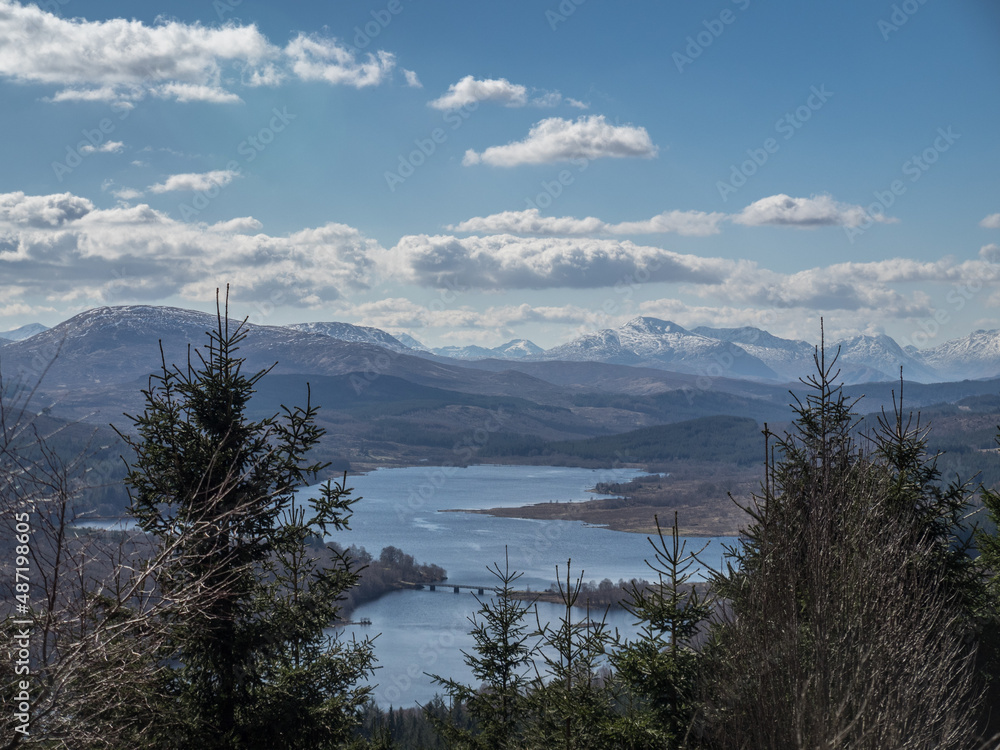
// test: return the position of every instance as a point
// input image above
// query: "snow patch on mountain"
(353, 333)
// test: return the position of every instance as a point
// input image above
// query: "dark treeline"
(384, 573)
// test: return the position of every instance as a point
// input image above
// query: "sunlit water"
(423, 631)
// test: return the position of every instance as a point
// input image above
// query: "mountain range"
(731, 352)
(740, 353)
(383, 402)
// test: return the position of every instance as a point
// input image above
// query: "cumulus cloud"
(471, 90)
(195, 181)
(241, 225)
(59, 247)
(806, 213)
(991, 222)
(42, 211)
(530, 221)
(850, 286)
(990, 253)
(411, 79)
(509, 262)
(319, 59)
(127, 194)
(402, 313)
(109, 147)
(124, 60)
(556, 139)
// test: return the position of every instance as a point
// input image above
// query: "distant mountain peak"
(655, 326)
(26, 331)
(352, 333)
(513, 349)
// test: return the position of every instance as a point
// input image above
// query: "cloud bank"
(125, 60)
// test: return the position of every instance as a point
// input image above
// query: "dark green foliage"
(733, 440)
(384, 573)
(501, 663)
(253, 668)
(659, 671)
(571, 703)
(411, 728)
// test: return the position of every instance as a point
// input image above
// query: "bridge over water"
(455, 587)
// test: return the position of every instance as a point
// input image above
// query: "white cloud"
(42, 211)
(411, 79)
(509, 262)
(195, 92)
(807, 213)
(850, 286)
(991, 222)
(530, 221)
(195, 181)
(399, 312)
(990, 253)
(241, 225)
(555, 139)
(470, 90)
(319, 59)
(59, 247)
(120, 60)
(127, 194)
(109, 147)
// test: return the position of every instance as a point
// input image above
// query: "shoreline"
(635, 519)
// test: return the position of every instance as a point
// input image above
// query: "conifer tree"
(501, 663)
(252, 668)
(658, 671)
(844, 627)
(572, 704)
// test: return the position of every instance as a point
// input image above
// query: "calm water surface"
(423, 631)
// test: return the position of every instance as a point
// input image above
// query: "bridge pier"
(432, 587)
(480, 592)
(457, 589)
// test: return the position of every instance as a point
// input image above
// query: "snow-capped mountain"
(881, 354)
(661, 343)
(789, 358)
(19, 334)
(514, 349)
(353, 333)
(972, 357)
(407, 340)
(862, 359)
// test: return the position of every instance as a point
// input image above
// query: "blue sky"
(474, 172)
